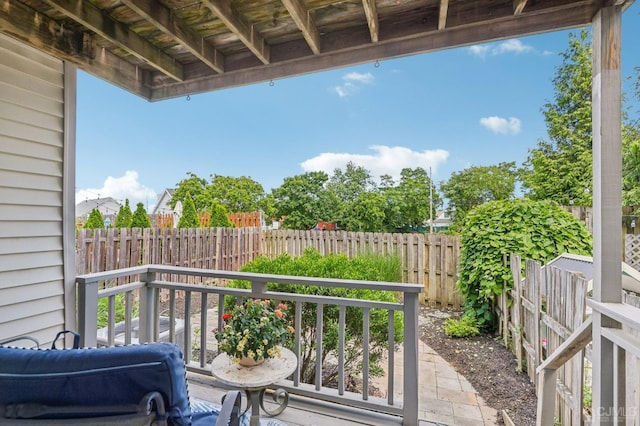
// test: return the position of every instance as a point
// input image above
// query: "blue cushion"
(96, 376)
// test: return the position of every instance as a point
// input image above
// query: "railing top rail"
(253, 277)
(307, 298)
(107, 275)
(623, 313)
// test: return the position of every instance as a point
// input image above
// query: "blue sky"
(472, 106)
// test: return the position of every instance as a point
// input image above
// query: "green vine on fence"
(539, 230)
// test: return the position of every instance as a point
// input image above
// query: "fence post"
(410, 385)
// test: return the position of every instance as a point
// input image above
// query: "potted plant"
(254, 331)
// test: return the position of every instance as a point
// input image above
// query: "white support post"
(607, 200)
(411, 364)
(147, 319)
(88, 313)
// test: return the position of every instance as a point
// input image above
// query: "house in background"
(441, 222)
(107, 206)
(162, 205)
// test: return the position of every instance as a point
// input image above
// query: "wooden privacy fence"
(239, 220)
(536, 317)
(428, 259)
(208, 248)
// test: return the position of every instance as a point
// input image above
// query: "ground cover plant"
(370, 267)
(539, 230)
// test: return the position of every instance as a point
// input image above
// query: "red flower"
(278, 313)
(226, 316)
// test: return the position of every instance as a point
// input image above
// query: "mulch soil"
(486, 363)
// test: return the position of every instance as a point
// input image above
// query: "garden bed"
(486, 363)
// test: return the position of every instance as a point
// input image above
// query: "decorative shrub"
(369, 267)
(539, 230)
(95, 220)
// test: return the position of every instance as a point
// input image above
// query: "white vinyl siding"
(32, 125)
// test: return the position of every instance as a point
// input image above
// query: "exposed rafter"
(163, 19)
(119, 34)
(518, 6)
(240, 27)
(305, 23)
(160, 49)
(17, 18)
(371, 11)
(442, 15)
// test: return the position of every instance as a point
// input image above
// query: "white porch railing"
(146, 286)
(623, 337)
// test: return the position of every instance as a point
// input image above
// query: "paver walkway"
(446, 396)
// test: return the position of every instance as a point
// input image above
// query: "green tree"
(539, 230)
(393, 217)
(140, 218)
(367, 213)
(561, 169)
(218, 216)
(477, 185)
(189, 218)
(344, 187)
(631, 166)
(413, 192)
(125, 216)
(95, 220)
(268, 207)
(196, 187)
(303, 200)
(237, 194)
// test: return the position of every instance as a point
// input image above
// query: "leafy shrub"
(539, 230)
(218, 216)
(368, 267)
(463, 327)
(95, 220)
(103, 310)
(140, 218)
(189, 218)
(125, 216)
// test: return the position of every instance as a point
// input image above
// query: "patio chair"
(119, 385)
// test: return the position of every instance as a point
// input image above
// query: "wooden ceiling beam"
(518, 6)
(91, 17)
(56, 40)
(371, 11)
(304, 21)
(240, 27)
(239, 73)
(444, 11)
(165, 20)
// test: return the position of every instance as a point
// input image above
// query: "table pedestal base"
(255, 401)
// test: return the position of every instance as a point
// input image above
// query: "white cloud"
(508, 46)
(366, 78)
(385, 160)
(121, 188)
(480, 50)
(502, 125)
(352, 82)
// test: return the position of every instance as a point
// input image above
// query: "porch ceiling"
(167, 48)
